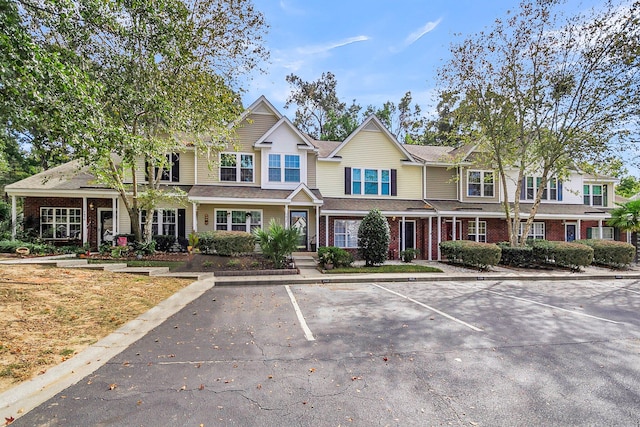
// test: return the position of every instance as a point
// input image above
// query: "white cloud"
(417, 34)
(316, 49)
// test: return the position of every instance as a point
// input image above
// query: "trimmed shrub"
(516, 256)
(226, 243)
(409, 255)
(563, 254)
(474, 254)
(610, 253)
(164, 242)
(334, 255)
(373, 238)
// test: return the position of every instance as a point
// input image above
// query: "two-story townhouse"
(429, 194)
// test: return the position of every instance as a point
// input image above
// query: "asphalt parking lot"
(416, 353)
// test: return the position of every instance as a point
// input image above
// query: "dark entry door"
(570, 232)
(409, 235)
(105, 230)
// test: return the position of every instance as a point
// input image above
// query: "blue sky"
(378, 49)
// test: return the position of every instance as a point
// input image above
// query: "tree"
(403, 121)
(317, 103)
(538, 96)
(167, 73)
(339, 126)
(627, 218)
(629, 186)
(373, 238)
(277, 242)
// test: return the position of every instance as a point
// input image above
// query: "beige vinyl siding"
(441, 183)
(186, 165)
(478, 199)
(370, 149)
(125, 222)
(301, 197)
(253, 128)
(311, 170)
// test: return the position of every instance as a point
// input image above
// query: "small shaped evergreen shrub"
(610, 253)
(334, 255)
(474, 254)
(373, 238)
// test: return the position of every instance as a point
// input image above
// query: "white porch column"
(402, 233)
(326, 230)
(600, 229)
(429, 239)
(453, 228)
(85, 223)
(439, 237)
(14, 217)
(317, 226)
(579, 226)
(194, 217)
(115, 217)
(286, 216)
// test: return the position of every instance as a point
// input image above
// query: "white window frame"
(546, 192)
(363, 182)
(484, 186)
(160, 221)
(608, 233)
(249, 223)
(350, 233)
(471, 231)
(238, 167)
(604, 194)
(64, 227)
(535, 231)
(283, 167)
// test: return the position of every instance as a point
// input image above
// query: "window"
(170, 171)
(345, 233)
(236, 167)
(238, 220)
(594, 233)
(595, 195)
(535, 232)
(290, 171)
(552, 191)
(60, 223)
(376, 181)
(482, 231)
(168, 226)
(480, 183)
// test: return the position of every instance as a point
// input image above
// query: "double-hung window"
(236, 167)
(237, 220)
(284, 167)
(595, 195)
(552, 191)
(375, 182)
(345, 233)
(164, 222)
(536, 231)
(60, 223)
(481, 232)
(170, 170)
(480, 184)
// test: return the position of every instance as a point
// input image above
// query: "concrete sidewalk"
(30, 394)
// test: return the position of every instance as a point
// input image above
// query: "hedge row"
(467, 252)
(611, 253)
(226, 243)
(563, 254)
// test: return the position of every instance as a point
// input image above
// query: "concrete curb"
(24, 397)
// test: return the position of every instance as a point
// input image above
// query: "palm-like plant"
(277, 242)
(627, 218)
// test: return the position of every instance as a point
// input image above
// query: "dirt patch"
(213, 263)
(49, 314)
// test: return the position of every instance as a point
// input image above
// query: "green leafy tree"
(538, 97)
(629, 186)
(373, 238)
(167, 71)
(403, 120)
(277, 242)
(626, 217)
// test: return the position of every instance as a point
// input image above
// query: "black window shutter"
(394, 182)
(175, 168)
(181, 223)
(559, 190)
(589, 233)
(347, 180)
(616, 234)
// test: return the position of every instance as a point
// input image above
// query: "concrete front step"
(149, 271)
(72, 263)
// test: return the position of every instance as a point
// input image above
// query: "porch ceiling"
(357, 205)
(243, 194)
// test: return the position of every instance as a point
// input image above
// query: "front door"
(570, 232)
(105, 226)
(299, 221)
(408, 238)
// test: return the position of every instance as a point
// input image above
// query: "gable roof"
(259, 106)
(284, 121)
(372, 123)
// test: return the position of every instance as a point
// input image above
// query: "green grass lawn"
(390, 268)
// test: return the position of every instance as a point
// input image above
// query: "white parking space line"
(551, 306)
(307, 332)
(430, 308)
